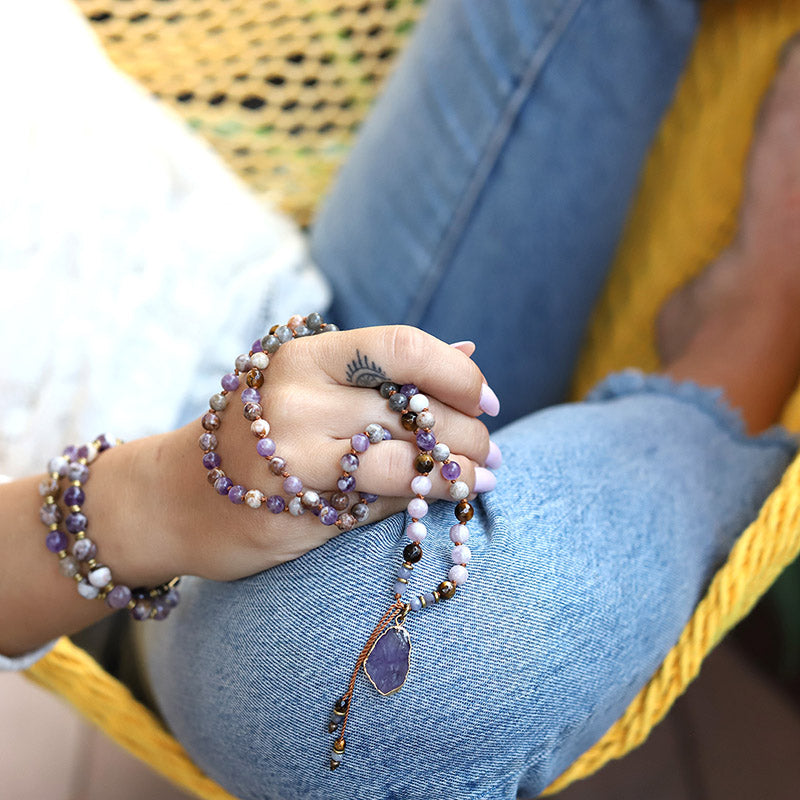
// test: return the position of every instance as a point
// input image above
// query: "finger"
(466, 347)
(387, 469)
(462, 433)
(369, 356)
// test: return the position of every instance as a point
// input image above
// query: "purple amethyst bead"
(387, 434)
(425, 440)
(265, 447)
(76, 522)
(359, 442)
(223, 484)
(56, 541)
(292, 484)
(78, 472)
(250, 395)
(409, 389)
(74, 496)
(275, 503)
(256, 346)
(161, 609)
(103, 443)
(230, 382)
(450, 471)
(367, 497)
(346, 483)
(329, 516)
(141, 610)
(172, 598)
(236, 494)
(71, 452)
(118, 597)
(211, 460)
(349, 462)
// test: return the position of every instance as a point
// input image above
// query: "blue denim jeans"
(484, 200)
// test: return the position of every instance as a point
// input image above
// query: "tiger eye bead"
(409, 421)
(423, 464)
(254, 378)
(340, 501)
(412, 552)
(464, 511)
(446, 589)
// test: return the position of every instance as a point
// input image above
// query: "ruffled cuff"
(23, 662)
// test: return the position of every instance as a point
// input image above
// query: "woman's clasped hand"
(317, 392)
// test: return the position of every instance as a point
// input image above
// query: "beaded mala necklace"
(386, 655)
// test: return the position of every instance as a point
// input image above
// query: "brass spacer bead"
(339, 745)
(91, 563)
(408, 565)
(423, 601)
(74, 509)
(131, 604)
(50, 499)
(53, 527)
(403, 580)
(436, 596)
(62, 553)
(77, 577)
(80, 535)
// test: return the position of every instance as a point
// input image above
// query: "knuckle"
(404, 341)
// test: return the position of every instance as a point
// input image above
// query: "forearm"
(37, 602)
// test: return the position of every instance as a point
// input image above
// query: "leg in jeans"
(487, 190)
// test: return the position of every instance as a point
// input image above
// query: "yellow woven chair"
(278, 88)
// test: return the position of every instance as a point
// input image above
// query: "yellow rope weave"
(683, 216)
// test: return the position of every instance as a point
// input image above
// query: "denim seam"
(497, 141)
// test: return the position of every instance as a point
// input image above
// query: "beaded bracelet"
(386, 655)
(97, 581)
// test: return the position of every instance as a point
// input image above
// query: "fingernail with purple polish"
(489, 402)
(495, 457)
(485, 480)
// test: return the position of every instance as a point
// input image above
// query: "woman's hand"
(316, 395)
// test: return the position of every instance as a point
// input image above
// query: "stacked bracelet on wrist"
(386, 654)
(77, 552)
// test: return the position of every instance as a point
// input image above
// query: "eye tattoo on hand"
(363, 372)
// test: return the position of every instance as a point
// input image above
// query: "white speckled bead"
(58, 464)
(259, 427)
(218, 401)
(254, 498)
(440, 452)
(68, 566)
(416, 531)
(91, 452)
(459, 533)
(461, 554)
(417, 403)
(417, 508)
(100, 577)
(421, 485)
(296, 507)
(458, 575)
(310, 498)
(425, 419)
(374, 432)
(85, 589)
(259, 360)
(242, 362)
(459, 490)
